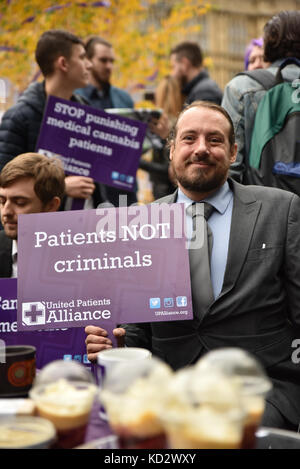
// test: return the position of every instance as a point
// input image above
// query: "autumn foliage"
(141, 31)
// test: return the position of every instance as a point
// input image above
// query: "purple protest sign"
(62, 344)
(92, 143)
(104, 266)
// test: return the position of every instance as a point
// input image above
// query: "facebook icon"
(181, 301)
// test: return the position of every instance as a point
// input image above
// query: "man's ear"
(172, 147)
(53, 205)
(234, 150)
(61, 63)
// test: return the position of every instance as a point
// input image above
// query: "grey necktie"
(199, 254)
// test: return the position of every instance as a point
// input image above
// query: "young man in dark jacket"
(62, 59)
(187, 66)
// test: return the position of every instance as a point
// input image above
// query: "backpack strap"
(262, 76)
(288, 61)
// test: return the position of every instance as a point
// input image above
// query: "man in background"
(101, 94)
(29, 183)
(187, 66)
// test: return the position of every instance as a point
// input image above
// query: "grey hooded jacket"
(241, 98)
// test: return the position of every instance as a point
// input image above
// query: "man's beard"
(102, 83)
(12, 234)
(183, 81)
(200, 181)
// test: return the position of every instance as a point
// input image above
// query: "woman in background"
(254, 55)
(169, 99)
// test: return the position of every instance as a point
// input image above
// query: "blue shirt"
(110, 97)
(97, 98)
(220, 223)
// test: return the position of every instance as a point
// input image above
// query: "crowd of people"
(205, 142)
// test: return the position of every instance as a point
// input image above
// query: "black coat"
(20, 125)
(202, 88)
(19, 132)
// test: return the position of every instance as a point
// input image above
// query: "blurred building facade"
(229, 26)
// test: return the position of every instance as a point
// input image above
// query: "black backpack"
(274, 157)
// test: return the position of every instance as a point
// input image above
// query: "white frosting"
(65, 398)
(140, 401)
(191, 388)
(205, 428)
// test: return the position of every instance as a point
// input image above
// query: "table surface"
(97, 427)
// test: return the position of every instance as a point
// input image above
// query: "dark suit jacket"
(258, 308)
(5, 255)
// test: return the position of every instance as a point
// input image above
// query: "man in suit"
(30, 183)
(255, 266)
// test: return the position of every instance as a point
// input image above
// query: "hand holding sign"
(80, 187)
(92, 143)
(97, 340)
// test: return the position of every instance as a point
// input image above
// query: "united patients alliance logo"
(33, 313)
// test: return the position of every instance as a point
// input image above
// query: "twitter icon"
(154, 303)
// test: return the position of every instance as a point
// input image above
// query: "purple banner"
(104, 266)
(92, 143)
(68, 344)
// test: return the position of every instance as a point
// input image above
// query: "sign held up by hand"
(92, 143)
(104, 266)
